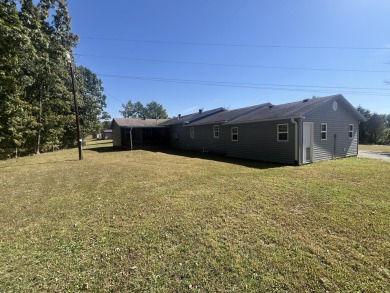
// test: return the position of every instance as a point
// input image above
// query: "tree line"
(36, 104)
(376, 130)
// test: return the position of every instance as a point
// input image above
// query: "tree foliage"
(152, 110)
(36, 106)
(376, 129)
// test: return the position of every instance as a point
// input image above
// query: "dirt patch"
(385, 156)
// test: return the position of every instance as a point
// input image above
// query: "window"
(324, 131)
(282, 132)
(234, 133)
(216, 131)
(174, 135)
(192, 132)
(335, 105)
(350, 131)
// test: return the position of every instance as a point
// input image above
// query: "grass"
(179, 222)
(375, 148)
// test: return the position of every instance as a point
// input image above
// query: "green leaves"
(92, 101)
(152, 110)
(36, 105)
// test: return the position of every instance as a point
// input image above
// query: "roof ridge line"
(250, 111)
(214, 111)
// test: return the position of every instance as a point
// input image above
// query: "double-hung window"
(192, 132)
(234, 133)
(350, 131)
(216, 131)
(324, 131)
(282, 132)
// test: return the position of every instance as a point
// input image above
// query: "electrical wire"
(280, 87)
(234, 65)
(234, 45)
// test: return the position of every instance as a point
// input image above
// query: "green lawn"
(176, 222)
(375, 148)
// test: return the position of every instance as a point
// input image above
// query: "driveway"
(375, 155)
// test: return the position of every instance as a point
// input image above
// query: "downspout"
(296, 141)
(358, 139)
(131, 138)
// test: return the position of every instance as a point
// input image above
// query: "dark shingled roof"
(139, 122)
(295, 109)
(260, 112)
(192, 117)
(229, 115)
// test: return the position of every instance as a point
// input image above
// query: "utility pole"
(76, 106)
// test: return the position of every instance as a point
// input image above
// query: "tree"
(155, 110)
(36, 105)
(376, 126)
(128, 110)
(16, 123)
(139, 110)
(49, 94)
(364, 127)
(92, 101)
(131, 110)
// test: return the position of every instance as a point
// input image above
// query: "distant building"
(106, 134)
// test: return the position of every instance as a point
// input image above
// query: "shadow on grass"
(222, 158)
(193, 154)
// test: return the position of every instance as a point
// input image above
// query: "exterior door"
(307, 142)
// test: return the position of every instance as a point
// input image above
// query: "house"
(106, 134)
(297, 133)
(130, 132)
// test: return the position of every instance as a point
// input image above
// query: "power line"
(234, 45)
(110, 95)
(280, 87)
(235, 65)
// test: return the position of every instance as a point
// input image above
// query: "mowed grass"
(375, 148)
(149, 221)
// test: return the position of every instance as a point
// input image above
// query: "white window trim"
(216, 131)
(351, 131)
(278, 132)
(234, 133)
(192, 132)
(324, 131)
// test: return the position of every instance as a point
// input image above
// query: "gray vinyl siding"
(257, 141)
(183, 137)
(116, 136)
(337, 124)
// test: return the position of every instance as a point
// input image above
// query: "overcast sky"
(196, 54)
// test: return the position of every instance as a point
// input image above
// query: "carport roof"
(139, 122)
